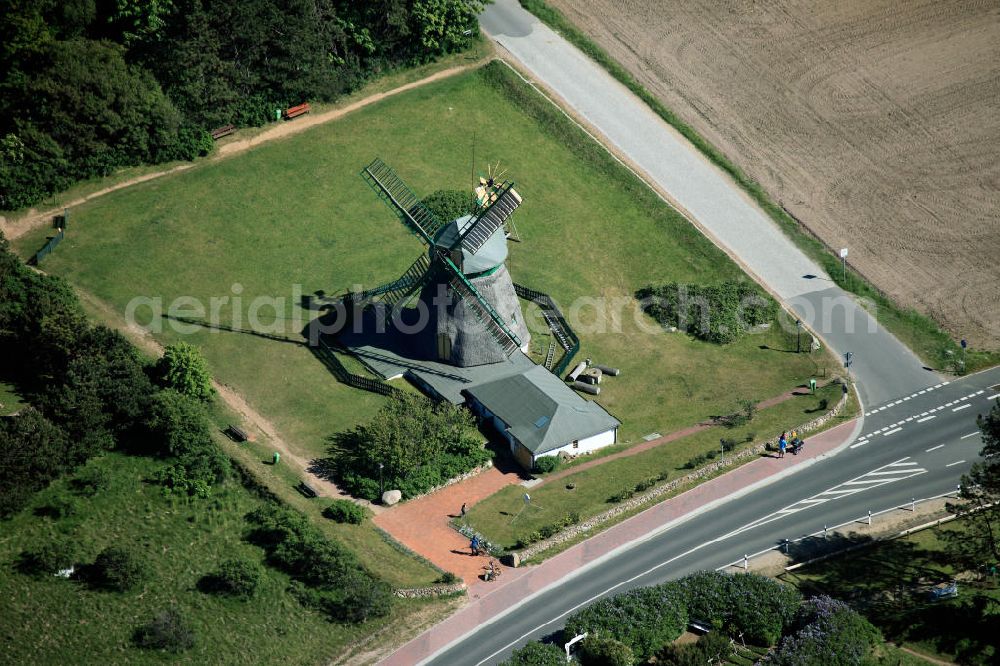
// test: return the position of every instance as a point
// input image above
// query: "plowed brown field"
(874, 122)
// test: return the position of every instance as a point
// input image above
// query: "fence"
(327, 356)
(557, 324)
(49, 246)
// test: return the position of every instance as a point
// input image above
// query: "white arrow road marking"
(904, 468)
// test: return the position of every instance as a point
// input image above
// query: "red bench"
(225, 130)
(296, 111)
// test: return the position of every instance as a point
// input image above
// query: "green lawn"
(593, 486)
(10, 399)
(295, 212)
(885, 582)
(50, 620)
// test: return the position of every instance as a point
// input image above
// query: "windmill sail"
(491, 219)
(483, 311)
(399, 290)
(394, 192)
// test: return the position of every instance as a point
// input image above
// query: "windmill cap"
(490, 255)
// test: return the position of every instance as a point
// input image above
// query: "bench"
(296, 111)
(225, 130)
(307, 490)
(237, 433)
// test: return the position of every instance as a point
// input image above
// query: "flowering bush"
(832, 634)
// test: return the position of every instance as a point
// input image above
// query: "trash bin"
(277, 457)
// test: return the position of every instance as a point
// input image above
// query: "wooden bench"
(225, 130)
(296, 111)
(307, 490)
(237, 433)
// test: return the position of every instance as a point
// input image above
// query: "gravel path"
(715, 204)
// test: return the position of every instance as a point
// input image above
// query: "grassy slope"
(51, 620)
(916, 330)
(296, 212)
(594, 486)
(10, 399)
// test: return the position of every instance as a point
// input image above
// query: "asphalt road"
(711, 200)
(917, 448)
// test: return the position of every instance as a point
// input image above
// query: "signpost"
(843, 260)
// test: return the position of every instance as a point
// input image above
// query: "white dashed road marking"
(926, 418)
(894, 430)
(958, 409)
(935, 448)
(957, 462)
(971, 434)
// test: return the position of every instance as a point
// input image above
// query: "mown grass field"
(592, 487)
(886, 583)
(295, 212)
(50, 620)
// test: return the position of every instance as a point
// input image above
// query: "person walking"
(474, 545)
(782, 444)
(463, 510)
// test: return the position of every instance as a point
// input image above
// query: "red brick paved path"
(489, 600)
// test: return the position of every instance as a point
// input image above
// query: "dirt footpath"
(874, 122)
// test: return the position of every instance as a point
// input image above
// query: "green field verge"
(295, 212)
(592, 487)
(10, 400)
(918, 331)
(53, 620)
(888, 582)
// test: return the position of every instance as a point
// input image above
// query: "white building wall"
(586, 445)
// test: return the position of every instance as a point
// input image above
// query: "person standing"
(782, 444)
(474, 545)
(463, 510)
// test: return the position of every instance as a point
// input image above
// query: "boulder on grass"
(391, 497)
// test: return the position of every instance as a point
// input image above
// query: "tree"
(442, 24)
(34, 453)
(184, 369)
(178, 426)
(450, 205)
(537, 654)
(980, 505)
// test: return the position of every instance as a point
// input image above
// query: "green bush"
(537, 654)
(346, 511)
(236, 578)
(754, 605)
(600, 650)
(448, 205)
(706, 650)
(167, 631)
(93, 479)
(644, 619)
(831, 634)
(50, 557)
(720, 313)
(120, 569)
(546, 464)
(448, 578)
(325, 575)
(61, 506)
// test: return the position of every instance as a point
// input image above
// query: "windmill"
(474, 313)
(487, 191)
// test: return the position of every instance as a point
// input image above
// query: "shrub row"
(642, 486)
(546, 531)
(720, 313)
(325, 576)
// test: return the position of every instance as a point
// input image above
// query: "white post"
(869, 516)
(824, 530)
(913, 505)
(746, 562)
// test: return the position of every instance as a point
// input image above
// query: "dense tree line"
(90, 391)
(89, 86)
